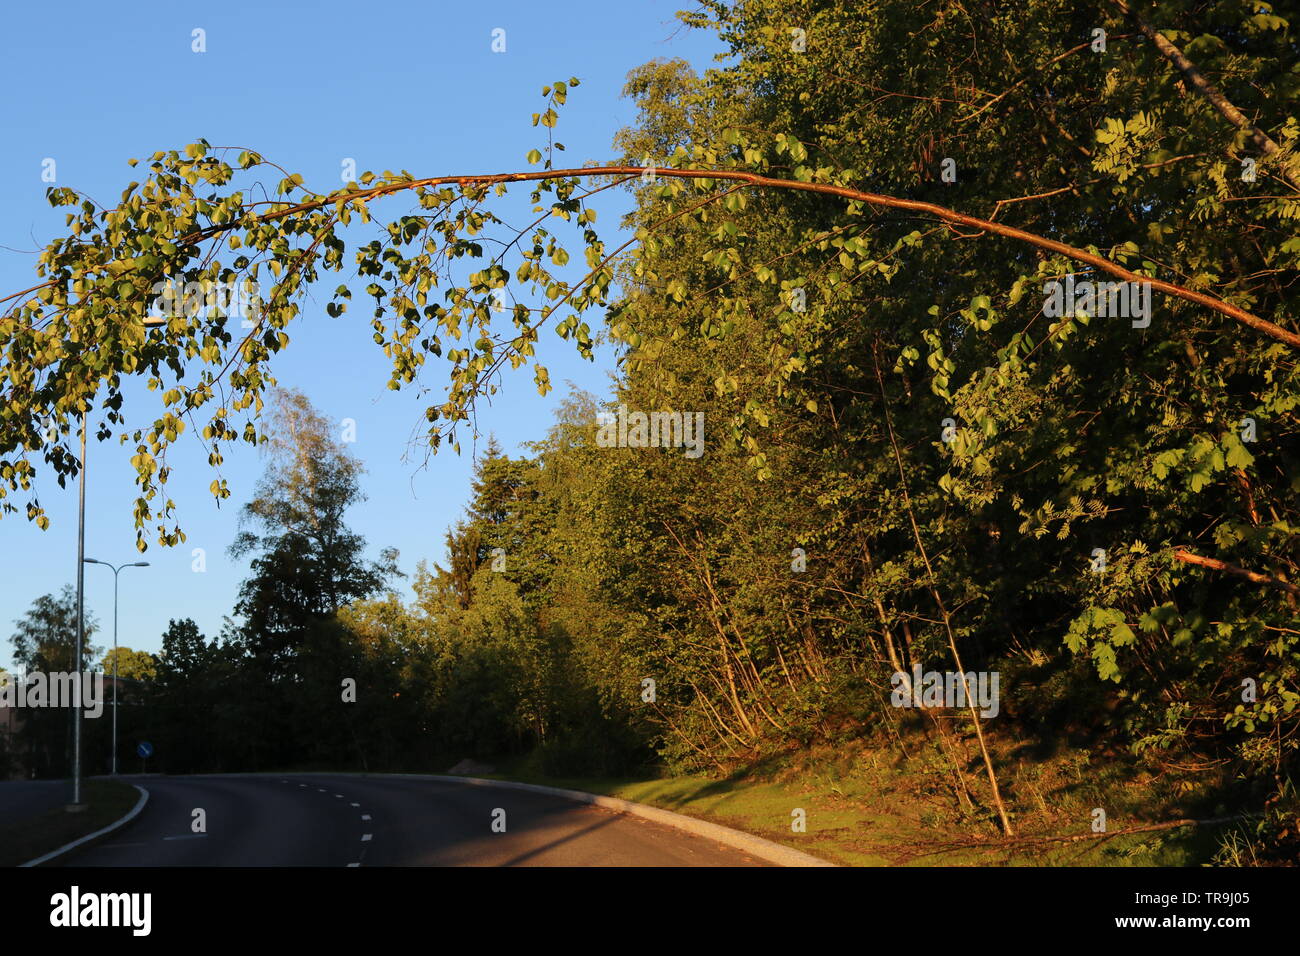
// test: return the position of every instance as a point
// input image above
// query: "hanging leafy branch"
(85, 326)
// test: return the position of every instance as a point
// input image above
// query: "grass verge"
(862, 807)
(26, 839)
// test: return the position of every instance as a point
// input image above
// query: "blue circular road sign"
(144, 749)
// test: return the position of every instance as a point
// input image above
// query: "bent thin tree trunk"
(941, 605)
(1287, 163)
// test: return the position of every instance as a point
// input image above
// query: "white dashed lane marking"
(365, 837)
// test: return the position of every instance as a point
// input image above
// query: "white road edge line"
(350, 865)
(135, 812)
(758, 846)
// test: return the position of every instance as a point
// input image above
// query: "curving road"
(341, 820)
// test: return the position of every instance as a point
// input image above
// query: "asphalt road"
(333, 820)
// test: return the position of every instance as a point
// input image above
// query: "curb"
(135, 811)
(758, 846)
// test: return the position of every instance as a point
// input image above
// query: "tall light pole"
(76, 804)
(134, 564)
(81, 618)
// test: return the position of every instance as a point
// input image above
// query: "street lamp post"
(81, 617)
(81, 608)
(135, 564)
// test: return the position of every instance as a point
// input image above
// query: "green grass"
(866, 806)
(108, 800)
(763, 808)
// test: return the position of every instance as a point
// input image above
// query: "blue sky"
(402, 85)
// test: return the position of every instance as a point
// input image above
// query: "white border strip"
(144, 798)
(758, 846)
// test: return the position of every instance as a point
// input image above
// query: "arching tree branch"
(1237, 314)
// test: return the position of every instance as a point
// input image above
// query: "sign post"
(145, 750)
